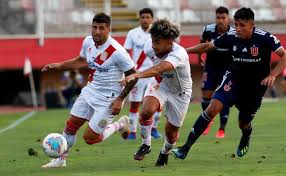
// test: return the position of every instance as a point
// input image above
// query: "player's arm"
(269, 80)
(201, 48)
(75, 63)
(164, 66)
(200, 60)
(117, 103)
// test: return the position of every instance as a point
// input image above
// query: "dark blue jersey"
(219, 58)
(251, 57)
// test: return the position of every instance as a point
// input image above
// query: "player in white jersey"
(102, 98)
(172, 87)
(135, 40)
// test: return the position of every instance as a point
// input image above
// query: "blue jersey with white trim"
(251, 57)
(221, 57)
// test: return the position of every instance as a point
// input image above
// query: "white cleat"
(124, 130)
(55, 163)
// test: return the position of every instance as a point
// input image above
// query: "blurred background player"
(246, 80)
(172, 86)
(135, 40)
(101, 99)
(72, 83)
(215, 65)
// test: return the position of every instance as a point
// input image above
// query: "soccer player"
(246, 80)
(135, 41)
(101, 99)
(172, 87)
(217, 61)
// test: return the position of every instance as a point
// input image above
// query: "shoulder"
(231, 29)
(260, 32)
(87, 40)
(134, 31)
(179, 52)
(210, 28)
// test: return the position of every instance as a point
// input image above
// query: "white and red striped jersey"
(135, 41)
(179, 80)
(109, 62)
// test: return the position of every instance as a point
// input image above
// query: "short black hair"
(101, 18)
(146, 10)
(244, 14)
(221, 10)
(163, 28)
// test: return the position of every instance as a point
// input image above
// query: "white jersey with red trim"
(178, 81)
(109, 62)
(135, 40)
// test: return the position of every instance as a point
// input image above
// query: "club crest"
(254, 51)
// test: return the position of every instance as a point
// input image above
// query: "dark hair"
(101, 18)
(146, 10)
(244, 14)
(163, 28)
(221, 10)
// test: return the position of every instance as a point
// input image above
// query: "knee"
(213, 109)
(92, 139)
(146, 118)
(134, 107)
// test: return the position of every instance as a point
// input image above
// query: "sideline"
(19, 121)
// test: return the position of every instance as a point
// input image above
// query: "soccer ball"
(54, 145)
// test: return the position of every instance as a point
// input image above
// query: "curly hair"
(163, 28)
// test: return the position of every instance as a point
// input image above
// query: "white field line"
(17, 122)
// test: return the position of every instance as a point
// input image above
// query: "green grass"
(208, 157)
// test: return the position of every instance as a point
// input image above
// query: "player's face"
(222, 21)
(161, 46)
(145, 21)
(100, 32)
(244, 28)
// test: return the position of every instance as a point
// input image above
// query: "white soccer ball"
(54, 145)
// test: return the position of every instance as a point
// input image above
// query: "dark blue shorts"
(246, 97)
(212, 77)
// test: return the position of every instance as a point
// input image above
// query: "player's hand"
(268, 81)
(129, 78)
(52, 66)
(116, 106)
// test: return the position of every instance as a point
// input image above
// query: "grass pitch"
(208, 157)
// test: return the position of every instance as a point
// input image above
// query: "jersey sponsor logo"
(254, 51)
(246, 59)
(100, 70)
(227, 86)
(105, 55)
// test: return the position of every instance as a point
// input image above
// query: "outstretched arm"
(117, 103)
(75, 63)
(201, 48)
(164, 66)
(269, 80)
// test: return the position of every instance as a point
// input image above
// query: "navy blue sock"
(247, 132)
(199, 127)
(205, 102)
(224, 117)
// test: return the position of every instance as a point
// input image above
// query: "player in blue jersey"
(246, 80)
(215, 65)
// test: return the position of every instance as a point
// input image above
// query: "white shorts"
(95, 108)
(176, 104)
(137, 93)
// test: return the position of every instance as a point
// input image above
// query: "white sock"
(146, 134)
(111, 128)
(133, 121)
(71, 139)
(167, 147)
(156, 118)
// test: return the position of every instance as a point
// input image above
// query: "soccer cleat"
(220, 133)
(132, 136)
(125, 131)
(162, 160)
(180, 152)
(155, 133)
(207, 130)
(243, 146)
(142, 151)
(55, 162)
